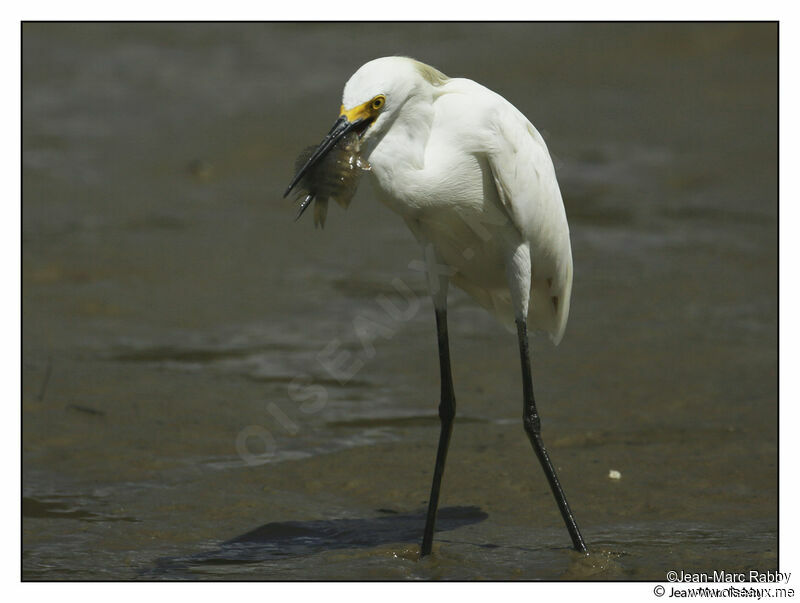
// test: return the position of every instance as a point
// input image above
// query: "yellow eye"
(377, 102)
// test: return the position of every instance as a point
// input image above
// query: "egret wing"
(526, 184)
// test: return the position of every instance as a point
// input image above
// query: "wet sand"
(178, 327)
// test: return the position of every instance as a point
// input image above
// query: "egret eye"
(377, 102)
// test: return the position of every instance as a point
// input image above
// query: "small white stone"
(614, 474)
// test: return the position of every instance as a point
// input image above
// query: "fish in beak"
(331, 169)
(340, 129)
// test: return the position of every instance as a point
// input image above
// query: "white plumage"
(473, 180)
(471, 176)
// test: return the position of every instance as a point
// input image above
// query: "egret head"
(373, 97)
(375, 94)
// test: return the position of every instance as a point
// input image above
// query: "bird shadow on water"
(291, 539)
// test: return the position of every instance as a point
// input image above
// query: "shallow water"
(211, 391)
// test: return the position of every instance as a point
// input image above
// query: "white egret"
(473, 180)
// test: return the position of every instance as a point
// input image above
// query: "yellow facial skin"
(368, 110)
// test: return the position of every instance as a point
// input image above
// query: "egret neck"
(393, 159)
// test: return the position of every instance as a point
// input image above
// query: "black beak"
(339, 129)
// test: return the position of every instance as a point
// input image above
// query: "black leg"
(533, 429)
(447, 412)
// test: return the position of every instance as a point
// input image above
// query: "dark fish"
(335, 176)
